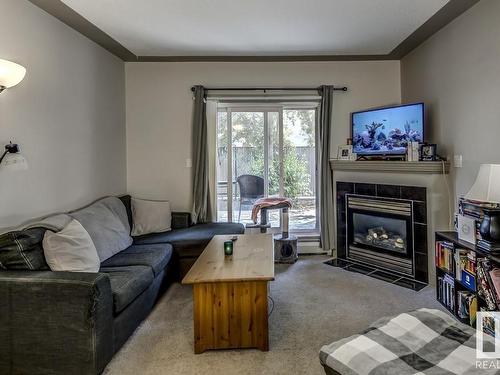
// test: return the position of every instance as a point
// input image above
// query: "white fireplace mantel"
(422, 167)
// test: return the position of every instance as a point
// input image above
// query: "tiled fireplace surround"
(414, 194)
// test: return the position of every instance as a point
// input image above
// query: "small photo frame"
(428, 152)
(344, 152)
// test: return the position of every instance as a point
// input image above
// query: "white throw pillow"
(70, 249)
(150, 216)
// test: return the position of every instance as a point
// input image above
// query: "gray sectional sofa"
(74, 322)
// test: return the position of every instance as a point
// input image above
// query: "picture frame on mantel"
(345, 152)
(428, 152)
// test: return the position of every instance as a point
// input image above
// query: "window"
(267, 151)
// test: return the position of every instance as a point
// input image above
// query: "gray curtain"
(201, 212)
(325, 183)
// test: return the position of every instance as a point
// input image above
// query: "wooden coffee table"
(230, 293)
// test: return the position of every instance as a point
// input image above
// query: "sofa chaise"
(74, 322)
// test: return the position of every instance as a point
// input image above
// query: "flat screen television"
(387, 131)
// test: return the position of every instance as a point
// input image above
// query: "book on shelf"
(467, 306)
(475, 207)
(444, 255)
(485, 286)
(446, 291)
(465, 260)
(494, 275)
(488, 247)
(468, 280)
(469, 209)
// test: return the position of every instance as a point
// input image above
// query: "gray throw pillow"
(150, 216)
(22, 250)
(107, 224)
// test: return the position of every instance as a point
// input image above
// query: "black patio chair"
(251, 188)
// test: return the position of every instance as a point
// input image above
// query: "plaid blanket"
(424, 341)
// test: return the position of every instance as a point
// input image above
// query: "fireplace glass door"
(379, 226)
(385, 233)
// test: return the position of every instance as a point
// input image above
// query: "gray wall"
(68, 115)
(159, 110)
(457, 73)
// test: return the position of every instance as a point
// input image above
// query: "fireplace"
(380, 232)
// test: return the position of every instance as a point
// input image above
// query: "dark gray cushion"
(22, 250)
(128, 320)
(188, 241)
(106, 221)
(127, 283)
(155, 256)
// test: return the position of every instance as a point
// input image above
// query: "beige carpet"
(315, 304)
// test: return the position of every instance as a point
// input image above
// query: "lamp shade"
(11, 73)
(486, 188)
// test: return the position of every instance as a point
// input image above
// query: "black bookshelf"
(451, 237)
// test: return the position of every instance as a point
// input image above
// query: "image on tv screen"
(387, 131)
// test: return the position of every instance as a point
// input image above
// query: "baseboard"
(310, 248)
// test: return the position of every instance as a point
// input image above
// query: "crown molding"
(440, 19)
(275, 58)
(74, 20)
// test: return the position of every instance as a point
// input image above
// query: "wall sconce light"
(10, 74)
(12, 159)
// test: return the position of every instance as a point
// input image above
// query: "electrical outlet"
(189, 163)
(457, 161)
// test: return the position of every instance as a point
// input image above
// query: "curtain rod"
(267, 88)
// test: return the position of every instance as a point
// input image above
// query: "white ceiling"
(257, 27)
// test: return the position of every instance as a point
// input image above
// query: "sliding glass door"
(266, 151)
